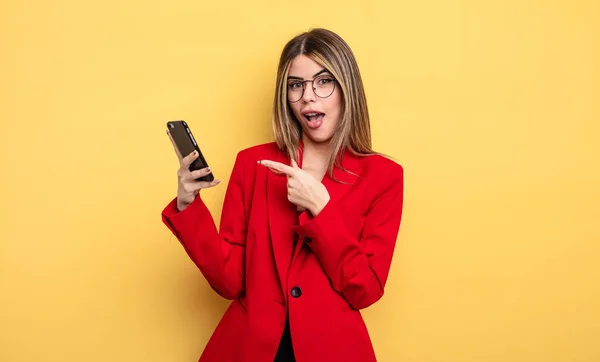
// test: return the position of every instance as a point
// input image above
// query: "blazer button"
(307, 239)
(296, 292)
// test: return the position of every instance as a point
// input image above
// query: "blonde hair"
(353, 131)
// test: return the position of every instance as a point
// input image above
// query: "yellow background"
(492, 107)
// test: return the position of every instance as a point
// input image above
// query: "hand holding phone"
(194, 173)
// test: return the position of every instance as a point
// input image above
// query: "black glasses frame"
(313, 87)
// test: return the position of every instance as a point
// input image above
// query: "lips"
(314, 116)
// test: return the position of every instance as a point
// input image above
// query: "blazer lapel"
(338, 186)
(281, 216)
(343, 180)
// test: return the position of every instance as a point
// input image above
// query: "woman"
(309, 222)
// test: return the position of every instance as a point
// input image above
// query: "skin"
(304, 68)
(187, 186)
(305, 188)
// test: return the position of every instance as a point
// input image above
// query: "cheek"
(335, 105)
(295, 108)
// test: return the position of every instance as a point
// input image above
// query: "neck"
(320, 150)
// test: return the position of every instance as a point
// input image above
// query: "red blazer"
(340, 263)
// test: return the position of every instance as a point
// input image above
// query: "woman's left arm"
(358, 268)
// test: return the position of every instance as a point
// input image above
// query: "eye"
(295, 85)
(325, 80)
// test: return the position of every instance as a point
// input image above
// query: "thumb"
(294, 164)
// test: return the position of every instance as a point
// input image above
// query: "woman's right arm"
(218, 255)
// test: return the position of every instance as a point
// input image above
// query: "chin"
(319, 137)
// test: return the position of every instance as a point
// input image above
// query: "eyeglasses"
(323, 86)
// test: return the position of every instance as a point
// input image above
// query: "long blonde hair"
(331, 52)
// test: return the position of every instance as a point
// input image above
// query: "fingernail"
(208, 169)
(258, 162)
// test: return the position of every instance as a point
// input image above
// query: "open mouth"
(315, 116)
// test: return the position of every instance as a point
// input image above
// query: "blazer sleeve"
(358, 267)
(218, 254)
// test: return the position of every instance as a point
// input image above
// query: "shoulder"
(384, 177)
(381, 167)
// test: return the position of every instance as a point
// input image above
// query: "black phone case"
(186, 143)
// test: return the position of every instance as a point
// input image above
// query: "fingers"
(277, 172)
(212, 183)
(187, 176)
(174, 146)
(206, 184)
(193, 187)
(187, 160)
(278, 167)
(200, 173)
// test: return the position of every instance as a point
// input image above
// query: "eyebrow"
(316, 74)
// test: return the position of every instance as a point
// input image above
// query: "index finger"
(278, 166)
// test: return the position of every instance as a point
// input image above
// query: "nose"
(309, 92)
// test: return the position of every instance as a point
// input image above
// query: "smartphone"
(186, 144)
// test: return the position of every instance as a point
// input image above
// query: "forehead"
(304, 67)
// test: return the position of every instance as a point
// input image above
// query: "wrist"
(319, 205)
(182, 205)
